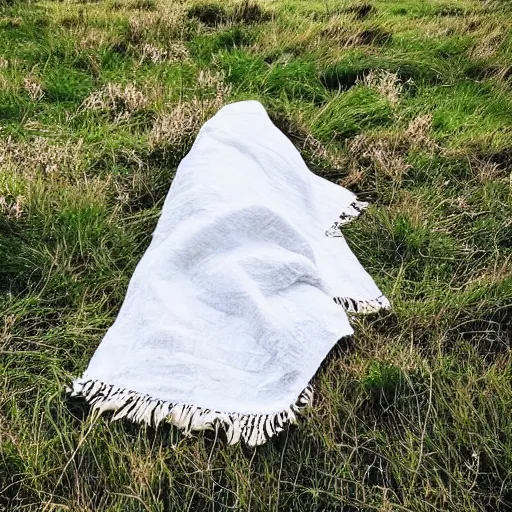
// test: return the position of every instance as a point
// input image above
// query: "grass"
(407, 103)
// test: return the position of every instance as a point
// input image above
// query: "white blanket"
(237, 299)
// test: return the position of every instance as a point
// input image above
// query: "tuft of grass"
(406, 103)
(209, 14)
(250, 11)
(362, 11)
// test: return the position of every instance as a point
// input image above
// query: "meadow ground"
(408, 103)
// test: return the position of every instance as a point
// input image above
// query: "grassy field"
(407, 103)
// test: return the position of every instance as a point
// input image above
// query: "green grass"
(407, 103)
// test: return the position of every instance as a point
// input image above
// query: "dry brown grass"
(383, 155)
(120, 101)
(319, 152)
(166, 23)
(181, 122)
(39, 157)
(418, 133)
(178, 124)
(90, 38)
(12, 208)
(487, 45)
(33, 88)
(341, 28)
(175, 52)
(387, 84)
(386, 153)
(489, 171)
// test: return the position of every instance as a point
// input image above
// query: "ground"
(407, 103)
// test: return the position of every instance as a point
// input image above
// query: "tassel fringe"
(353, 210)
(254, 429)
(362, 307)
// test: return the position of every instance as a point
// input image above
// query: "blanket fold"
(236, 301)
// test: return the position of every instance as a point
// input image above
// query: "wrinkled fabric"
(231, 307)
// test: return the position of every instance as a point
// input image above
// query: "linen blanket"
(241, 294)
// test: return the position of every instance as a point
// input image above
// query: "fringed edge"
(354, 209)
(349, 304)
(253, 429)
(363, 307)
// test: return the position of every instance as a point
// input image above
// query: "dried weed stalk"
(119, 100)
(38, 157)
(33, 89)
(176, 127)
(381, 154)
(176, 52)
(387, 84)
(12, 208)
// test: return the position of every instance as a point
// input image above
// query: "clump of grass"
(382, 380)
(385, 83)
(119, 101)
(373, 35)
(214, 14)
(173, 131)
(12, 208)
(362, 10)
(175, 52)
(419, 133)
(347, 114)
(385, 156)
(341, 29)
(39, 157)
(33, 89)
(145, 5)
(249, 11)
(209, 14)
(450, 10)
(163, 25)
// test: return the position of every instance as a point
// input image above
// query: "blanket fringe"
(354, 209)
(362, 307)
(254, 429)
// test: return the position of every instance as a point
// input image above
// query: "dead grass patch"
(176, 127)
(320, 153)
(120, 101)
(386, 153)
(91, 38)
(164, 24)
(487, 45)
(487, 170)
(384, 82)
(338, 27)
(382, 155)
(175, 52)
(418, 133)
(39, 156)
(33, 88)
(12, 208)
